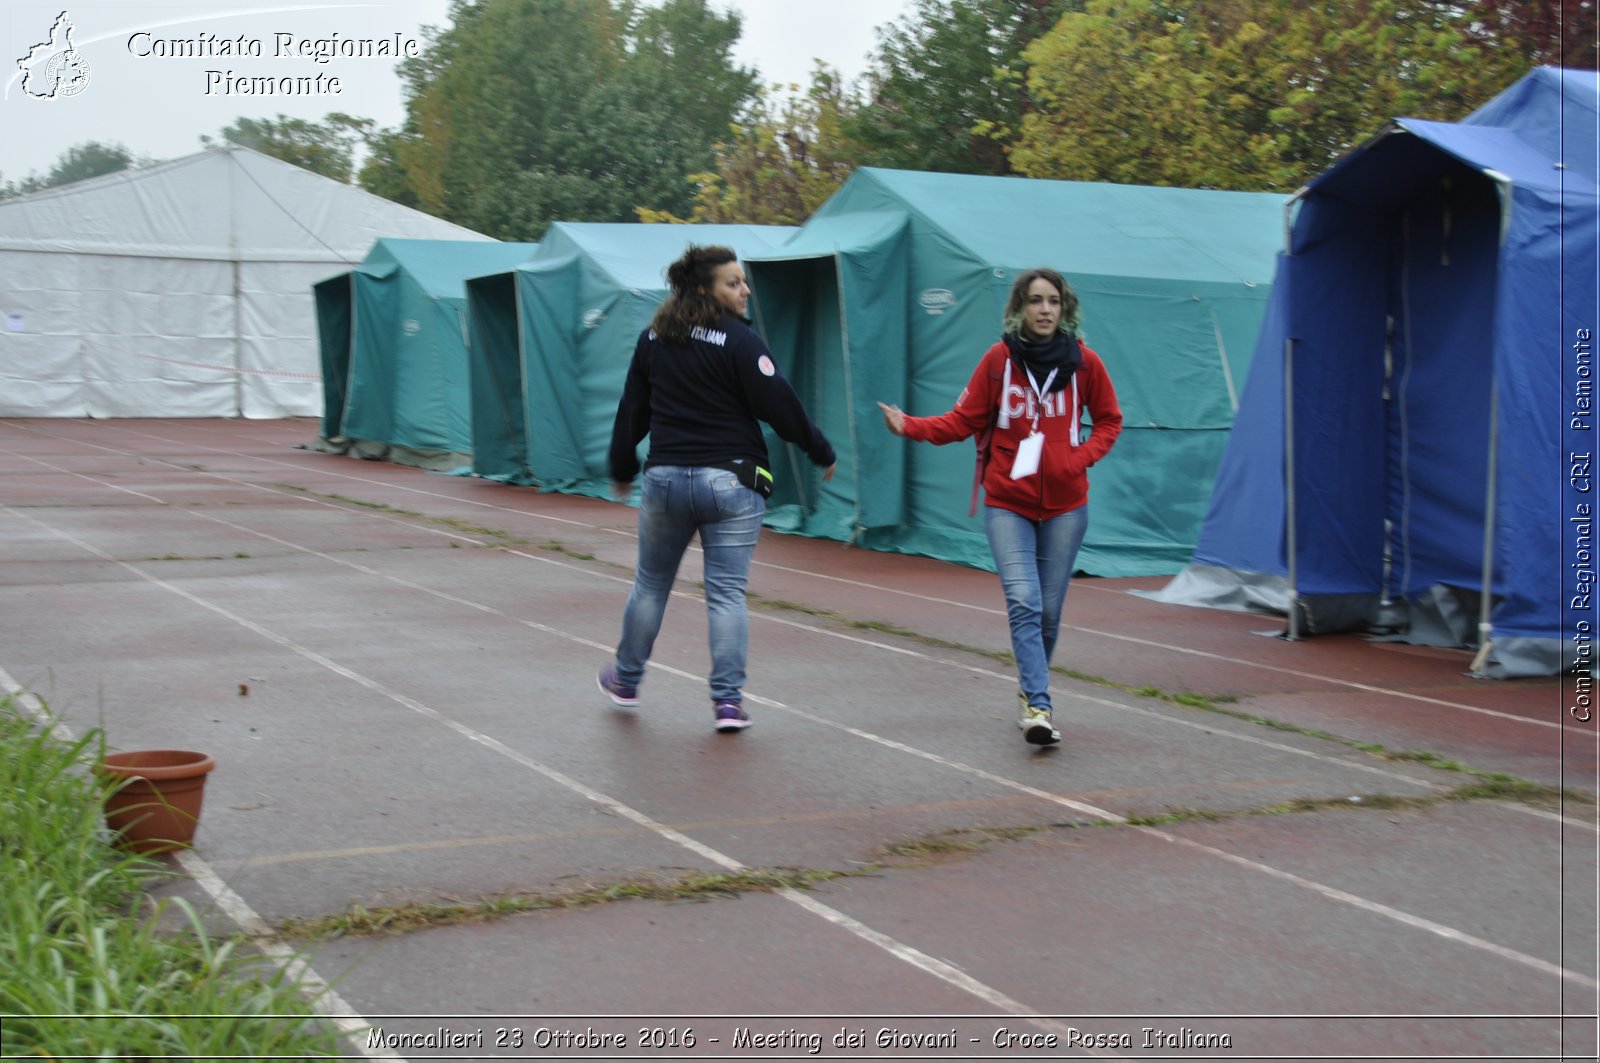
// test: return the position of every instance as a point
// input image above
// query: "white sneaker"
(1037, 727)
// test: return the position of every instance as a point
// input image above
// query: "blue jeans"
(1034, 559)
(675, 502)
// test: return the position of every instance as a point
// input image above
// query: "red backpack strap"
(983, 439)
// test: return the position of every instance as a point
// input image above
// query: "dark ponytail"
(690, 302)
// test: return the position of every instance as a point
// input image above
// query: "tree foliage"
(522, 112)
(78, 163)
(1243, 94)
(946, 90)
(327, 147)
(780, 161)
(1553, 32)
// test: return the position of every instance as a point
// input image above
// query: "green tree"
(945, 89)
(78, 163)
(1243, 94)
(86, 160)
(383, 175)
(780, 161)
(327, 147)
(522, 112)
(1556, 32)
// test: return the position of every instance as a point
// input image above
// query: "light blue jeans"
(1035, 560)
(675, 502)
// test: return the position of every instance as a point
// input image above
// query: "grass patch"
(1510, 787)
(1500, 787)
(360, 920)
(882, 627)
(940, 845)
(87, 972)
(498, 536)
(1178, 815)
(958, 841)
(1187, 699)
(557, 547)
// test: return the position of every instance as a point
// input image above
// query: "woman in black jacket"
(700, 382)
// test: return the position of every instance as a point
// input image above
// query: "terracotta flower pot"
(155, 806)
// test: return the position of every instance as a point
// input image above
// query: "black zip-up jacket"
(701, 403)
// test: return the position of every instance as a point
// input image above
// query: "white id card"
(1028, 454)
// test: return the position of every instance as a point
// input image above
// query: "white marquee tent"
(181, 290)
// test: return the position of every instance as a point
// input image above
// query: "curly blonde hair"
(1017, 302)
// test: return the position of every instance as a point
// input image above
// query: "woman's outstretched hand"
(895, 418)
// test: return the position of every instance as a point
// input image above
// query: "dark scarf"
(1060, 352)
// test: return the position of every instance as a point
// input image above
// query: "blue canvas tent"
(1411, 449)
(553, 338)
(896, 286)
(393, 340)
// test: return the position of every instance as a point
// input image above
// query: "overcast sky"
(159, 105)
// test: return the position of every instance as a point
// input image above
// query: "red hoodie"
(1062, 483)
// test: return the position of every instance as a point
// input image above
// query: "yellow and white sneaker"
(1037, 727)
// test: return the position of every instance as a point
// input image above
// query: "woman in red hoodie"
(1025, 403)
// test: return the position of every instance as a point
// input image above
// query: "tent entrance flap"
(334, 324)
(1438, 393)
(806, 333)
(1391, 404)
(499, 428)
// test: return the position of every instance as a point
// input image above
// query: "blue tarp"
(1405, 448)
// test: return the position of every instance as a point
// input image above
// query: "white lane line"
(800, 625)
(618, 808)
(859, 640)
(971, 669)
(1330, 892)
(1324, 890)
(323, 997)
(872, 644)
(1116, 636)
(932, 965)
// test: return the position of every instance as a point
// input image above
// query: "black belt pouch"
(752, 476)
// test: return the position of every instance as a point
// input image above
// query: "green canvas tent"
(552, 339)
(896, 286)
(393, 340)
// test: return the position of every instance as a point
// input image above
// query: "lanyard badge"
(1031, 449)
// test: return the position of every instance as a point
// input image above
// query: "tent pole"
(849, 396)
(1502, 188)
(238, 340)
(238, 295)
(350, 360)
(523, 405)
(1289, 544)
(1293, 633)
(1485, 598)
(1227, 370)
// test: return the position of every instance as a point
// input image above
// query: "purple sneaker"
(625, 696)
(730, 716)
